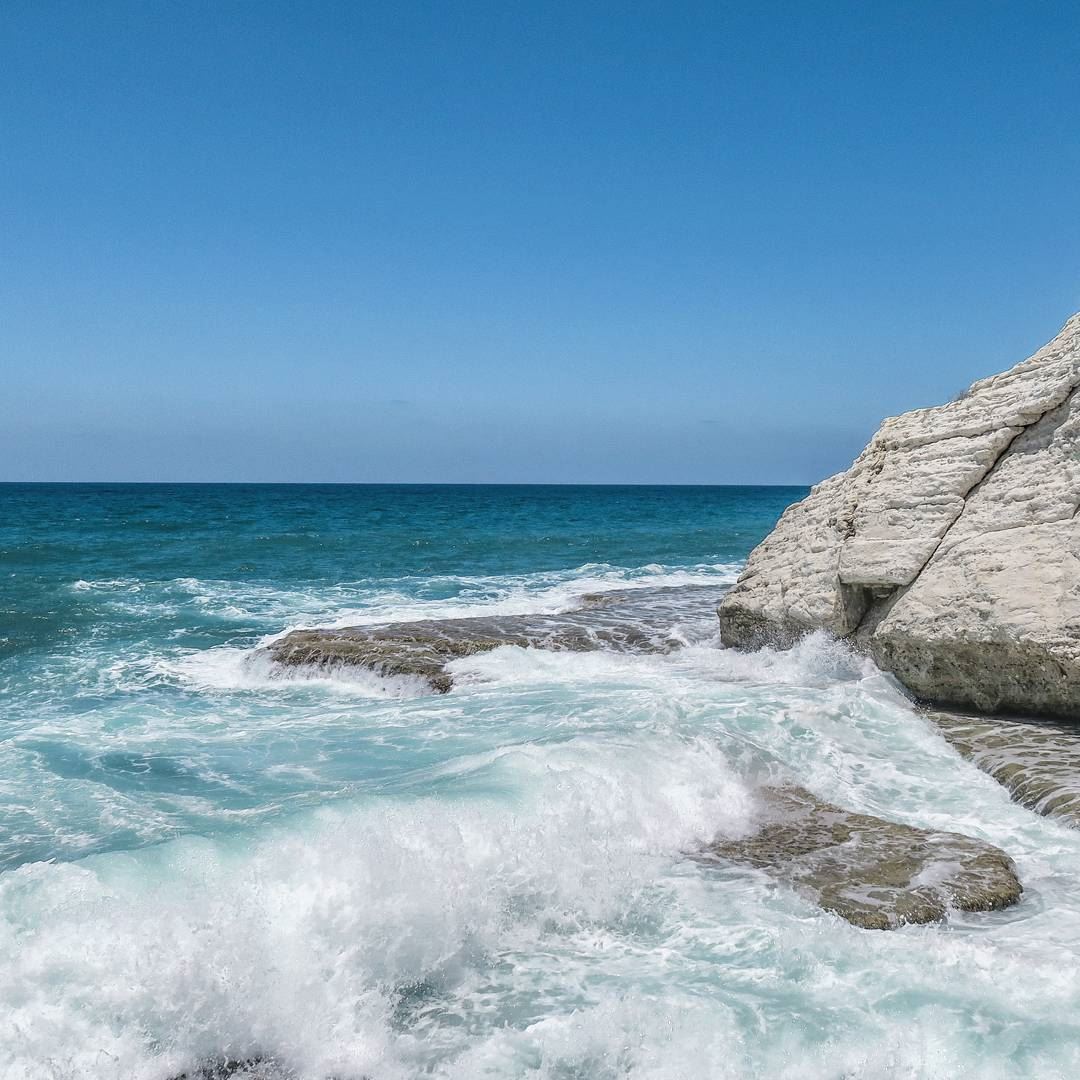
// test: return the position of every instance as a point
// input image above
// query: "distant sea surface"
(335, 875)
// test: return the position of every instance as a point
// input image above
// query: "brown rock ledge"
(641, 620)
(874, 873)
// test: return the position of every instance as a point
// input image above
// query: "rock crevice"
(950, 550)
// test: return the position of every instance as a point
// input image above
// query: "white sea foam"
(381, 600)
(534, 919)
(504, 896)
(816, 661)
(242, 669)
(300, 944)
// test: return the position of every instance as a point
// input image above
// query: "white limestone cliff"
(950, 549)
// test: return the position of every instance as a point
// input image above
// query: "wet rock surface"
(874, 873)
(227, 1068)
(630, 620)
(251, 1068)
(1037, 760)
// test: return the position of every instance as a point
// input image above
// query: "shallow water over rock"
(874, 873)
(1037, 760)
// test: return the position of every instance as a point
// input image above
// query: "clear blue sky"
(668, 242)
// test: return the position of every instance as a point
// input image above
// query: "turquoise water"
(348, 877)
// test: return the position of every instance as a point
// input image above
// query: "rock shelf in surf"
(874, 873)
(256, 1068)
(1036, 760)
(644, 620)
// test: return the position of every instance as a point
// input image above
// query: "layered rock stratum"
(950, 550)
(1036, 759)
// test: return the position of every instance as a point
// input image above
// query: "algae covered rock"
(421, 649)
(646, 620)
(227, 1068)
(874, 873)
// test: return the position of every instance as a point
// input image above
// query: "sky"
(547, 242)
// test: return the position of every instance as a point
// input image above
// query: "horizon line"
(380, 483)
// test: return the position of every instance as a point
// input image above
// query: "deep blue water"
(279, 537)
(350, 877)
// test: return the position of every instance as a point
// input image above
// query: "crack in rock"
(962, 575)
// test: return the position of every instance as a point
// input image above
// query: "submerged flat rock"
(874, 873)
(254, 1068)
(237, 1069)
(1037, 760)
(629, 620)
(950, 549)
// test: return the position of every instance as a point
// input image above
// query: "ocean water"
(344, 876)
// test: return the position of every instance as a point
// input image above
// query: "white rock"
(993, 622)
(949, 548)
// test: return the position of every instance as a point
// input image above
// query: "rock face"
(950, 549)
(877, 874)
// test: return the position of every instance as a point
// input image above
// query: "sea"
(211, 866)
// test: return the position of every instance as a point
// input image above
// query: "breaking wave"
(334, 875)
